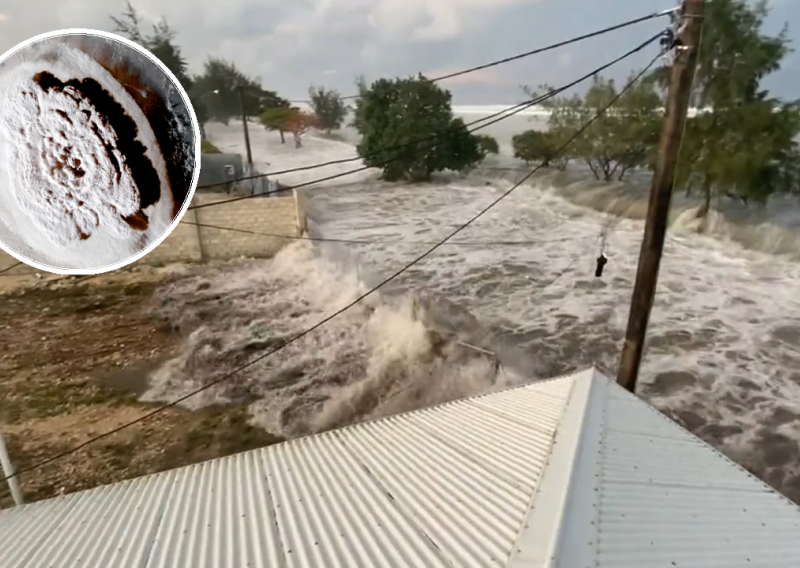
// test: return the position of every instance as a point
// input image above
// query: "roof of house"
(567, 472)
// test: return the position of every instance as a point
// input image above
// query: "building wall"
(273, 215)
(191, 243)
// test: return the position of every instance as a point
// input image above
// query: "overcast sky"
(292, 43)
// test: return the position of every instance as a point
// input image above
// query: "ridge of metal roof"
(629, 487)
(567, 472)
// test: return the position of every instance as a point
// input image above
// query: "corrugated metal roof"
(685, 504)
(569, 472)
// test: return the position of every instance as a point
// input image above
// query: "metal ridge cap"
(560, 527)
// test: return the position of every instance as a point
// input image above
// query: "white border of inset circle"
(195, 175)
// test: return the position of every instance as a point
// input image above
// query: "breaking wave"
(773, 228)
(384, 356)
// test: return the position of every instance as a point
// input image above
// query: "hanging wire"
(495, 118)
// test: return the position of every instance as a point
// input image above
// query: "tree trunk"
(202, 130)
(608, 172)
(283, 137)
(613, 171)
(703, 211)
(594, 170)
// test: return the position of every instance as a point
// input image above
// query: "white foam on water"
(270, 155)
(492, 109)
(377, 358)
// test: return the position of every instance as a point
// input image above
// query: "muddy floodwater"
(723, 353)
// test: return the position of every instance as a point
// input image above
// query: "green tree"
(328, 106)
(621, 139)
(277, 119)
(160, 42)
(487, 144)
(392, 114)
(743, 143)
(207, 147)
(537, 146)
(218, 89)
(128, 24)
(459, 150)
(363, 88)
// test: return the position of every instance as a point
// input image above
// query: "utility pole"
(7, 469)
(246, 133)
(688, 34)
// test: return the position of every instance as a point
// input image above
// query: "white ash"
(67, 172)
(18, 229)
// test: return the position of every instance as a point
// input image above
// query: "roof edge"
(560, 520)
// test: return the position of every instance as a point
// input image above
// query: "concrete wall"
(190, 243)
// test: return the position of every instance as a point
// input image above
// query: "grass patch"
(71, 356)
(213, 432)
(30, 400)
(207, 147)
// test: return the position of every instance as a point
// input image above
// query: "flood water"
(723, 352)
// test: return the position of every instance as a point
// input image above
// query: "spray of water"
(386, 355)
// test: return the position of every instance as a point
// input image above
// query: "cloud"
(291, 44)
(3, 17)
(432, 20)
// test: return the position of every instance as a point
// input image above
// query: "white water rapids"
(723, 353)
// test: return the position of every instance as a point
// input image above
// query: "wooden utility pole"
(246, 132)
(690, 24)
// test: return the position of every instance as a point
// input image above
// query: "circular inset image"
(99, 152)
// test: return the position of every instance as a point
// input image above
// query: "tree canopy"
(160, 42)
(487, 144)
(214, 93)
(363, 88)
(394, 113)
(328, 106)
(288, 119)
(743, 143)
(621, 139)
(740, 143)
(537, 146)
(218, 89)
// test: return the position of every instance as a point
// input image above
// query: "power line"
(546, 48)
(361, 298)
(556, 45)
(504, 113)
(562, 272)
(385, 242)
(513, 110)
(495, 117)
(492, 119)
(13, 266)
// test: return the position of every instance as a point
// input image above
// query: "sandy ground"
(76, 353)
